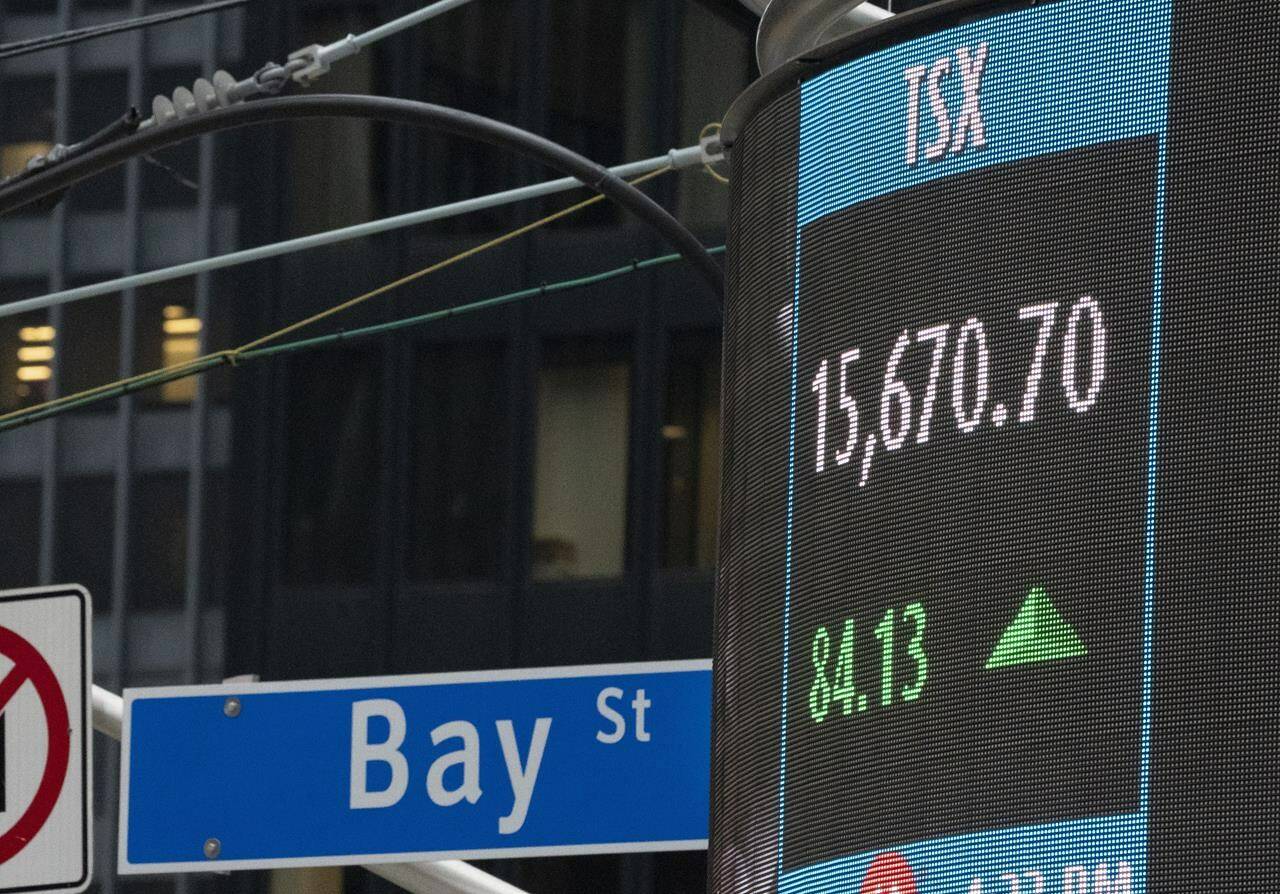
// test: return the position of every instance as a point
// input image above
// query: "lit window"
(34, 355)
(580, 471)
(14, 156)
(181, 344)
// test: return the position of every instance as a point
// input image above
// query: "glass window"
(169, 176)
(574, 875)
(168, 332)
(26, 121)
(19, 533)
(587, 78)
(591, 86)
(26, 350)
(580, 467)
(97, 99)
(472, 60)
(460, 469)
(332, 467)
(158, 522)
(334, 175)
(89, 347)
(83, 543)
(691, 452)
(30, 7)
(158, 542)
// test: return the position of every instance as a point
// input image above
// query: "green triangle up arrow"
(1038, 633)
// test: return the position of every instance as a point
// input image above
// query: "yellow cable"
(707, 130)
(232, 354)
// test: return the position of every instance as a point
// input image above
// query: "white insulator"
(206, 96)
(184, 102)
(223, 83)
(162, 110)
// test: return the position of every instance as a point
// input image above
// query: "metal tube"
(444, 877)
(688, 157)
(108, 712)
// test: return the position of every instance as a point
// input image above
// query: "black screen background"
(967, 523)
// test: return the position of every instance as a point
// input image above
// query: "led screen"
(981, 624)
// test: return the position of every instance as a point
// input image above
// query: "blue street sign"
(603, 759)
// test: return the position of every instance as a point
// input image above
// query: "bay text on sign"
(603, 759)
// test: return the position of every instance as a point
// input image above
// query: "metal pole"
(444, 877)
(690, 156)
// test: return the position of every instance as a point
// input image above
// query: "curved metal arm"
(381, 108)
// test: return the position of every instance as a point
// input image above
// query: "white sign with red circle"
(45, 740)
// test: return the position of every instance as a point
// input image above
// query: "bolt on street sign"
(45, 757)
(574, 760)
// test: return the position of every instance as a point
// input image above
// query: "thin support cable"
(66, 38)
(377, 108)
(232, 356)
(316, 60)
(676, 159)
(30, 415)
(373, 35)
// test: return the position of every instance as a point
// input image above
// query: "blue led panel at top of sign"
(984, 776)
(1059, 76)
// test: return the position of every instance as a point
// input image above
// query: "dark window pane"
(158, 541)
(335, 161)
(26, 121)
(459, 471)
(572, 875)
(31, 7)
(213, 544)
(680, 872)
(587, 77)
(97, 99)
(89, 347)
(169, 174)
(19, 533)
(471, 60)
(587, 86)
(333, 438)
(580, 468)
(691, 452)
(82, 547)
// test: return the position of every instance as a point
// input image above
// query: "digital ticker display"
(982, 580)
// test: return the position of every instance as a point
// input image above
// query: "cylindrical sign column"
(996, 596)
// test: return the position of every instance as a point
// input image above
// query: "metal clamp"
(314, 61)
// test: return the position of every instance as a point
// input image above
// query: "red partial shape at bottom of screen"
(889, 873)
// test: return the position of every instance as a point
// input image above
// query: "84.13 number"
(833, 664)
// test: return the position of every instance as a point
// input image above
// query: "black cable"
(50, 41)
(381, 108)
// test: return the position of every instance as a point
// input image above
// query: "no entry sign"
(45, 743)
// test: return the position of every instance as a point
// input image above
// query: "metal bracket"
(319, 59)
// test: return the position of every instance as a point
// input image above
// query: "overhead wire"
(155, 378)
(677, 159)
(77, 35)
(377, 108)
(257, 346)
